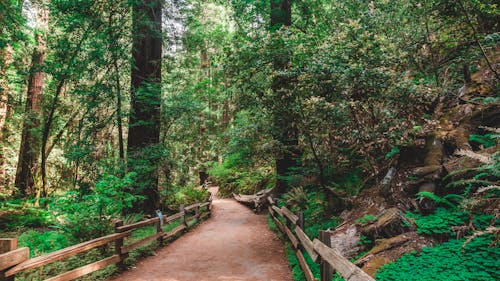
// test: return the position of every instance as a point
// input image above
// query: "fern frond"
(476, 156)
(487, 188)
(440, 200)
(489, 230)
(467, 182)
(491, 129)
(462, 171)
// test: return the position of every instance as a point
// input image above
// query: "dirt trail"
(233, 245)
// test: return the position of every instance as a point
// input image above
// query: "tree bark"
(5, 60)
(29, 151)
(144, 125)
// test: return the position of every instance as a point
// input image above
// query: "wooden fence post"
(183, 218)
(119, 245)
(325, 268)
(300, 222)
(197, 210)
(7, 245)
(159, 227)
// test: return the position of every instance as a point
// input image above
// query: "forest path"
(233, 245)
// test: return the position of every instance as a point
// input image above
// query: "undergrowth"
(450, 261)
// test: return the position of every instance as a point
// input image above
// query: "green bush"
(234, 176)
(23, 216)
(43, 242)
(88, 216)
(450, 261)
(442, 220)
(183, 195)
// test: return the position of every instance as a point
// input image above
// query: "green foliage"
(44, 242)
(366, 219)
(394, 151)
(449, 200)
(176, 196)
(235, 175)
(313, 207)
(487, 140)
(442, 221)
(89, 216)
(23, 215)
(363, 240)
(297, 273)
(478, 260)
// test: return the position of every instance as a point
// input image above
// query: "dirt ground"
(233, 245)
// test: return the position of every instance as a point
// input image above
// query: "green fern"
(439, 200)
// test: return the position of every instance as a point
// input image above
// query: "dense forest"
(378, 119)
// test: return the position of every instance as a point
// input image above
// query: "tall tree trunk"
(144, 125)
(284, 118)
(30, 142)
(5, 60)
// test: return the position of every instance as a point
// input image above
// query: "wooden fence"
(14, 260)
(319, 249)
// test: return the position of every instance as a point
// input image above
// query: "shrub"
(478, 260)
(187, 195)
(89, 216)
(43, 242)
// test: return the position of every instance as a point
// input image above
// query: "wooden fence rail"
(14, 260)
(319, 249)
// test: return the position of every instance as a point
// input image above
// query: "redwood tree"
(144, 125)
(30, 141)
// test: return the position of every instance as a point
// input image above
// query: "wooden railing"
(14, 260)
(319, 249)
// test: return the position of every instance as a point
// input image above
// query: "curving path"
(233, 245)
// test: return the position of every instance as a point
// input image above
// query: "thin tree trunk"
(119, 116)
(27, 166)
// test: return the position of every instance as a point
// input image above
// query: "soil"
(233, 245)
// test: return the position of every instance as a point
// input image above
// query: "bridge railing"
(14, 261)
(319, 249)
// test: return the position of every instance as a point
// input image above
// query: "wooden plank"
(64, 253)
(291, 216)
(277, 210)
(205, 214)
(14, 257)
(306, 243)
(137, 225)
(191, 207)
(271, 212)
(130, 247)
(305, 268)
(84, 270)
(173, 217)
(7, 244)
(279, 224)
(174, 231)
(204, 204)
(343, 266)
(292, 237)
